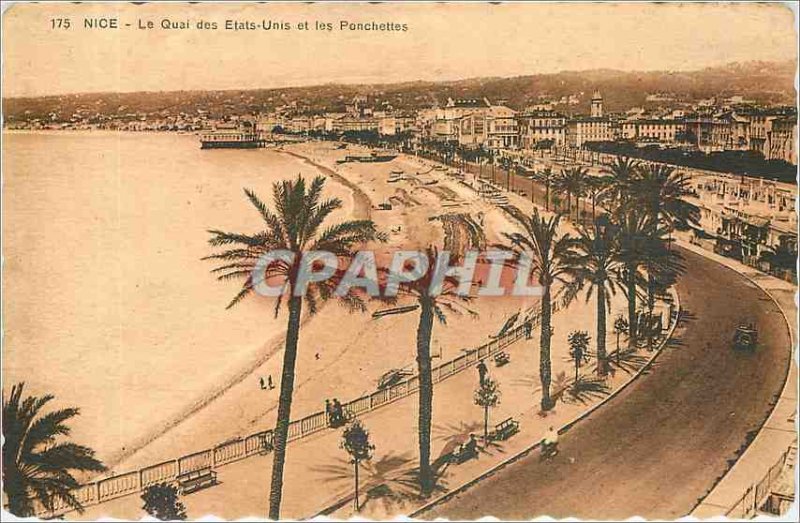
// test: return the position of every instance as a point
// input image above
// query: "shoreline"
(267, 351)
(361, 202)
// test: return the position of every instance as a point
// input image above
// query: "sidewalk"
(319, 478)
(779, 431)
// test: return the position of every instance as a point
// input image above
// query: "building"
(583, 130)
(661, 131)
(755, 214)
(781, 142)
(502, 128)
(596, 105)
(354, 124)
(542, 125)
(449, 124)
(763, 137)
(594, 128)
(709, 133)
(390, 125)
(471, 130)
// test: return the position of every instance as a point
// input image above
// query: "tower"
(597, 105)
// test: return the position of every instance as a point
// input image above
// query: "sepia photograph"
(378, 260)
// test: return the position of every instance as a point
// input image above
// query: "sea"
(107, 302)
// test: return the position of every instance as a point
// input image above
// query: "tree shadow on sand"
(453, 434)
(381, 478)
(399, 483)
(586, 390)
(393, 492)
(629, 361)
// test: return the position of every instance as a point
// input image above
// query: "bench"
(189, 482)
(504, 430)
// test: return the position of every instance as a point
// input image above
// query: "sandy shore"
(341, 354)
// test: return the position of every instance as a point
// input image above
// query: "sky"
(442, 42)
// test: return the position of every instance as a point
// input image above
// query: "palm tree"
(660, 191)
(596, 263)
(661, 265)
(295, 226)
(596, 187)
(35, 466)
(580, 181)
(622, 172)
(431, 304)
(633, 233)
(461, 233)
(564, 185)
(546, 176)
(550, 256)
(574, 183)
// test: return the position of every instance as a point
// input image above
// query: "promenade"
(389, 484)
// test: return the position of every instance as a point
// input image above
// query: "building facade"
(542, 125)
(661, 131)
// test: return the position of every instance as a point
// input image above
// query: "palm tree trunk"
(631, 307)
(281, 433)
(602, 366)
(424, 332)
(18, 502)
(547, 196)
(651, 303)
(544, 350)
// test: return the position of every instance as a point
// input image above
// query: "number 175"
(59, 23)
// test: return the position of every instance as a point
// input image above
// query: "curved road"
(661, 444)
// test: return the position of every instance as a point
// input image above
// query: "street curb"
(465, 486)
(784, 388)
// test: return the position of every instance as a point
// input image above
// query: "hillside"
(764, 82)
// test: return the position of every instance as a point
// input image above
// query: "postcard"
(372, 260)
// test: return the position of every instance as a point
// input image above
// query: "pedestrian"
(329, 411)
(482, 370)
(528, 329)
(269, 382)
(550, 441)
(261, 381)
(472, 444)
(337, 413)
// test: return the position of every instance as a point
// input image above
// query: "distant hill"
(764, 82)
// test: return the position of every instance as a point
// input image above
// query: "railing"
(233, 450)
(756, 495)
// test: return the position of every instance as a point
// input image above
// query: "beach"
(136, 333)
